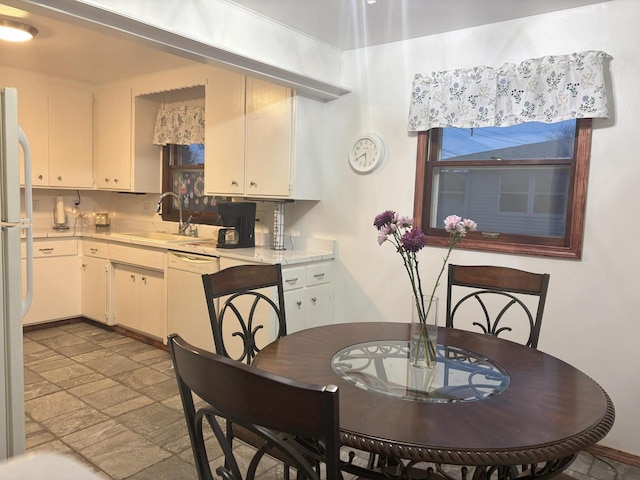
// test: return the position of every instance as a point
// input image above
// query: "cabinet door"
(307, 308)
(318, 305)
(70, 137)
(268, 139)
(225, 120)
(152, 303)
(56, 289)
(114, 139)
(94, 289)
(294, 308)
(33, 119)
(125, 294)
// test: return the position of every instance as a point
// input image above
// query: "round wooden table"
(549, 412)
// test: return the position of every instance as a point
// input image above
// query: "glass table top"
(383, 367)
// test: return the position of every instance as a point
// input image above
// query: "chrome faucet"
(182, 226)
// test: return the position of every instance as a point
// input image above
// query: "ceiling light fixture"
(371, 2)
(13, 31)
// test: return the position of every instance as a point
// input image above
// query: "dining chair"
(498, 297)
(247, 318)
(262, 403)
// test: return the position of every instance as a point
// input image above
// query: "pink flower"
(469, 225)
(405, 222)
(451, 223)
(382, 234)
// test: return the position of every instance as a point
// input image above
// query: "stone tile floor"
(111, 402)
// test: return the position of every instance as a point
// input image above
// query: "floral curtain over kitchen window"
(547, 89)
(179, 125)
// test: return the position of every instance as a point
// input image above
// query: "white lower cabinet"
(95, 281)
(307, 296)
(56, 281)
(139, 299)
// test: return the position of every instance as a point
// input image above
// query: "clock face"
(366, 153)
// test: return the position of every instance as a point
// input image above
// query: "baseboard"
(55, 323)
(617, 455)
(141, 338)
(113, 328)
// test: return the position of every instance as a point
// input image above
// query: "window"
(524, 185)
(183, 173)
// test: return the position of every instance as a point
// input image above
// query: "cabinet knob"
(94, 250)
(314, 299)
(40, 177)
(234, 183)
(106, 180)
(115, 180)
(299, 303)
(144, 279)
(253, 184)
(59, 178)
(84, 266)
(133, 277)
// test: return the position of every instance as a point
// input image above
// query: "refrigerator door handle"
(27, 221)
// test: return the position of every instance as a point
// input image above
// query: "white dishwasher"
(187, 313)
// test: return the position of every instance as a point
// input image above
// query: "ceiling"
(96, 55)
(349, 24)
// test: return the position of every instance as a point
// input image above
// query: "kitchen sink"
(162, 237)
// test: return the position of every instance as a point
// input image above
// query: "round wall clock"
(366, 153)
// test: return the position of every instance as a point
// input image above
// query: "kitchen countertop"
(304, 251)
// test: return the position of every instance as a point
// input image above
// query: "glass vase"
(423, 338)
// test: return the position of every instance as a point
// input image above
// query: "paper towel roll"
(61, 216)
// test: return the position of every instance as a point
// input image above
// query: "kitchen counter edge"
(258, 254)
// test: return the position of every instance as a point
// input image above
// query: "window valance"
(547, 89)
(180, 125)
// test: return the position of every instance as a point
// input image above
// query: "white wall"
(591, 318)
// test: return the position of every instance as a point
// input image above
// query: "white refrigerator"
(13, 303)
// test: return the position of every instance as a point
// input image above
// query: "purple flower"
(413, 240)
(385, 218)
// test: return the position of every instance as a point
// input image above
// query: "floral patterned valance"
(180, 125)
(547, 89)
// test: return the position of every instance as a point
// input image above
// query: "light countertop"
(303, 250)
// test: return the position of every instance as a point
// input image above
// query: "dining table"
(490, 409)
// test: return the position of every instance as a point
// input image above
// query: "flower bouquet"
(408, 241)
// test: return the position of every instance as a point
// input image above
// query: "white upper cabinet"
(58, 121)
(114, 138)
(262, 140)
(268, 145)
(70, 137)
(127, 159)
(224, 138)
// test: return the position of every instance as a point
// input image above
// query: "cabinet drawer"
(144, 257)
(53, 248)
(93, 248)
(293, 278)
(318, 274)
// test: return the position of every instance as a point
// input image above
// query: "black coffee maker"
(240, 218)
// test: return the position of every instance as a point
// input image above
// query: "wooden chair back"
(245, 311)
(260, 402)
(505, 286)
